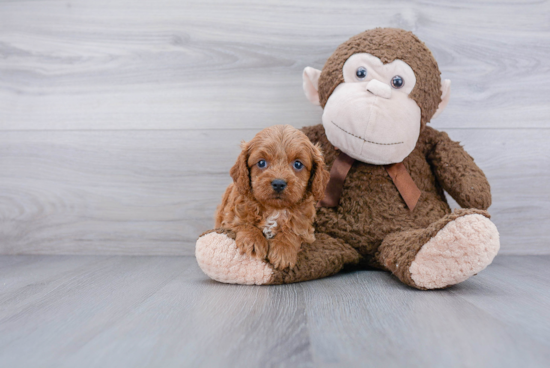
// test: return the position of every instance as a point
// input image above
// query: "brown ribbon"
(404, 183)
(397, 172)
(335, 186)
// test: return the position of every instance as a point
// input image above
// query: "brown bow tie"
(398, 172)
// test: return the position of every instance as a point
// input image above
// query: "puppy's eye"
(262, 164)
(361, 73)
(397, 82)
(298, 165)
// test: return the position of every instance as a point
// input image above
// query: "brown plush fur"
(371, 207)
(398, 250)
(250, 205)
(310, 266)
(388, 44)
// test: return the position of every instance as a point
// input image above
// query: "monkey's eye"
(361, 73)
(397, 82)
(262, 164)
(298, 165)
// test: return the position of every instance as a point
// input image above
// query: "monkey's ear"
(445, 96)
(311, 84)
(240, 173)
(320, 175)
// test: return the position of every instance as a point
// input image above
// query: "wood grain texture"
(154, 192)
(91, 311)
(119, 120)
(174, 64)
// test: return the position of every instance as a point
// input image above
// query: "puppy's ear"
(240, 173)
(319, 174)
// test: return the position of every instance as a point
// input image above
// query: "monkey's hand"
(457, 173)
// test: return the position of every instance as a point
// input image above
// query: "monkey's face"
(370, 116)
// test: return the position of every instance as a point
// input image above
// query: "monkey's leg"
(219, 258)
(445, 253)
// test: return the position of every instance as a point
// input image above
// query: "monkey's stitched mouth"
(363, 139)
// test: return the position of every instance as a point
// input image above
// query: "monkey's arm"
(457, 173)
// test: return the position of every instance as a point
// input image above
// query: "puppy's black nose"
(278, 185)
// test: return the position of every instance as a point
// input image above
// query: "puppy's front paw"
(282, 254)
(252, 243)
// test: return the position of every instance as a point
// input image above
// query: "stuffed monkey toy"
(384, 206)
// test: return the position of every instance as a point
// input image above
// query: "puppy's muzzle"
(278, 185)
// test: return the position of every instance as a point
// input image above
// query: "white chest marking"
(270, 225)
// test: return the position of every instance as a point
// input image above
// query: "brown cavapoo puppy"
(277, 180)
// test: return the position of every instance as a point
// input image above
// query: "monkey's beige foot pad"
(219, 259)
(461, 249)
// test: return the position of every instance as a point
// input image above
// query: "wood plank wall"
(119, 120)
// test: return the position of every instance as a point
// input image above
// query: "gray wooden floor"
(121, 311)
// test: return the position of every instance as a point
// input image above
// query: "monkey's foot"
(219, 258)
(446, 253)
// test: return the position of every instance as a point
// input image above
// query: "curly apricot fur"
(270, 224)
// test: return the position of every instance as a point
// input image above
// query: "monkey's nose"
(278, 185)
(379, 89)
